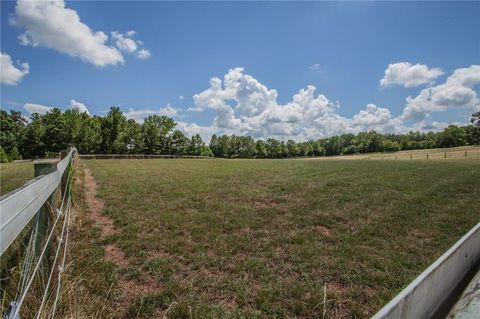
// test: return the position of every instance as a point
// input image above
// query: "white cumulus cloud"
(143, 54)
(244, 106)
(409, 75)
(11, 74)
(52, 25)
(37, 108)
(82, 108)
(123, 42)
(168, 111)
(138, 115)
(456, 93)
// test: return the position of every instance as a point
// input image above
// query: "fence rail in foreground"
(139, 156)
(431, 294)
(18, 207)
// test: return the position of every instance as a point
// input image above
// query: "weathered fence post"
(427, 155)
(445, 154)
(44, 167)
(465, 153)
(411, 156)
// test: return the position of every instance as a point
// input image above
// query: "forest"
(47, 134)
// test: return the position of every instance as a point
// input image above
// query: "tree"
(112, 126)
(3, 156)
(11, 131)
(155, 133)
(89, 138)
(452, 136)
(274, 148)
(261, 149)
(215, 146)
(292, 149)
(351, 149)
(178, 143)
(224, 146)
(55, 137)
(130, 139)
(33, 137)
(475, 119)
(390, 146)
(472, 134)
(196, 145)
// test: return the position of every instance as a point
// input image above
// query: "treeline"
(48, 134)
(365, 142)
(54, 131)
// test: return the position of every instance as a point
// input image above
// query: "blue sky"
(342, 49)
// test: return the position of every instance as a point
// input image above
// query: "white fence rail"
(428, 294)
(17, 208)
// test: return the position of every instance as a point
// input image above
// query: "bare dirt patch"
(116, 255)
(95, 205)
(323, 230)
(129, 289)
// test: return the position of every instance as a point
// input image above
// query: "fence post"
(445, 154)
(427, 155)
(465, 153)
(411, 156)
(44, 167)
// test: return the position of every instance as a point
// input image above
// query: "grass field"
(266, 238)
(13, 175)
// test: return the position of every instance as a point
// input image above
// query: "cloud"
(456, 93)
(195, 109)
(123, 42)
(181, 97)
(75, 105)
(409, 75)
(191, 129)
(52, 25)
(138, 115)
(372, 115)
(11, 75)
(42, 109)
(244, 106)
(37, 108)
(168, 111)
(143, 54)
(314, 67)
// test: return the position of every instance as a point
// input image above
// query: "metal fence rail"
(431, 293)
(18, 207)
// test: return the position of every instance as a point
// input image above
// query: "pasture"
(14, 175)
(262, 238)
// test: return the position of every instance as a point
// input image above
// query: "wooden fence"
(139, 156)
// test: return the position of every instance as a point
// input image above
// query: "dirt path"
(129, 289)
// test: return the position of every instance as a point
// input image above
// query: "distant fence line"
(431, 155)
(139, 156)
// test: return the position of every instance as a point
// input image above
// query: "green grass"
(14, 175)
(263, 238)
